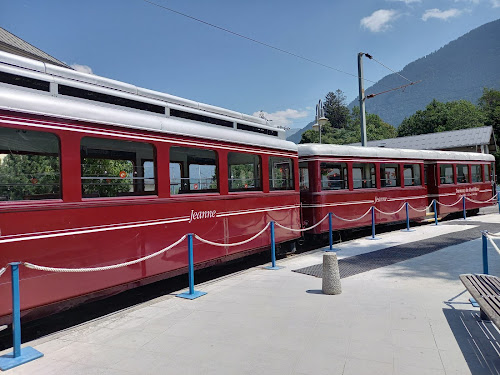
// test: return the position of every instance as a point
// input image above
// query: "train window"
(244, 171)
(412, 175)
(280, 173)
(303, 177)
(462, 173)
(112, 168)
(333, 176)
(192, 170)
(446, 174)
(487, 176)
(389, 175)
(29, 165)
(476, 173)
(363, 175)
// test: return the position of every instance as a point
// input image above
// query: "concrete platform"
(411, 317)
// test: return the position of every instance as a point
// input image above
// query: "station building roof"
(469, 140)
(13, 44)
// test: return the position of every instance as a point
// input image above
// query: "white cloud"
(282, 118)
(441, 14)
(407, 2)
(379, 20)
(495, 3)
(82, 68)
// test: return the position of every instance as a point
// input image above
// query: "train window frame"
(487, 173)
(257, 172)
(31, 147)
(368, 174)
(274, 162)
(465, 178)
(331, 182)
(133, 154)
(304, 181)
(443, 177)
(416, 180)
(201, 156)
(476, 176)
(388, 182)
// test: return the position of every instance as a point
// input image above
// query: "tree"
(439, 117)
(336, 110)
(351, 133)
(376, 128)
(107, 177)
(29, 177)
(489, 103)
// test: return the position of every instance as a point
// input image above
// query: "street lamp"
(320, 119)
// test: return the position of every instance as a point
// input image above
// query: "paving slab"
(410, 317)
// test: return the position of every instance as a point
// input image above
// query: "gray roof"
(13, 44)
(439, 141)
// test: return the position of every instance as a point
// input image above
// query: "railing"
(20, 356)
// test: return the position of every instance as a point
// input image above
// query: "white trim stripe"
(112, 227)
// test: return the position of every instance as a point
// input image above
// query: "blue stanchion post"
(463, 206)
(330, 233)
(498, 200)
(373, 226)
(273, 265)
(435, 212)
(484, 235)
(192, 293)
(407, 220)
(18, 356)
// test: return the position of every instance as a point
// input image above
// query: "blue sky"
(139, 43)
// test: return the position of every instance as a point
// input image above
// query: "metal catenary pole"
(362, 114)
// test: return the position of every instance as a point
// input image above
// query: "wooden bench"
(485, 289)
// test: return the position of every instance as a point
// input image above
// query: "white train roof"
(314, 149)
(51, 103)
(34, 103)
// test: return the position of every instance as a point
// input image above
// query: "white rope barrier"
(359, 218)
(105, 268)
(449, 205)
(389, 213)
(418, 210)
(303, 229)
(494, 235)
(482, 202)
(493, 243)
(231, 244)
(2, 270)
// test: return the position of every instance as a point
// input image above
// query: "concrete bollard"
(331, 275)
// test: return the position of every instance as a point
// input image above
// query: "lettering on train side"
(471, 191)
(380, 199)
(197, 215)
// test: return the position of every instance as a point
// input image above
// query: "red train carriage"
(348, 180)
(95, 172)
(454, 175)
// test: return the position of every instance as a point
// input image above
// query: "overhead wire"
(385, 66)
(254, 40)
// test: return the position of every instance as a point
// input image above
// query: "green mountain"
(459, 70)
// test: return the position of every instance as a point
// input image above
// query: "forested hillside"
(459, 70)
